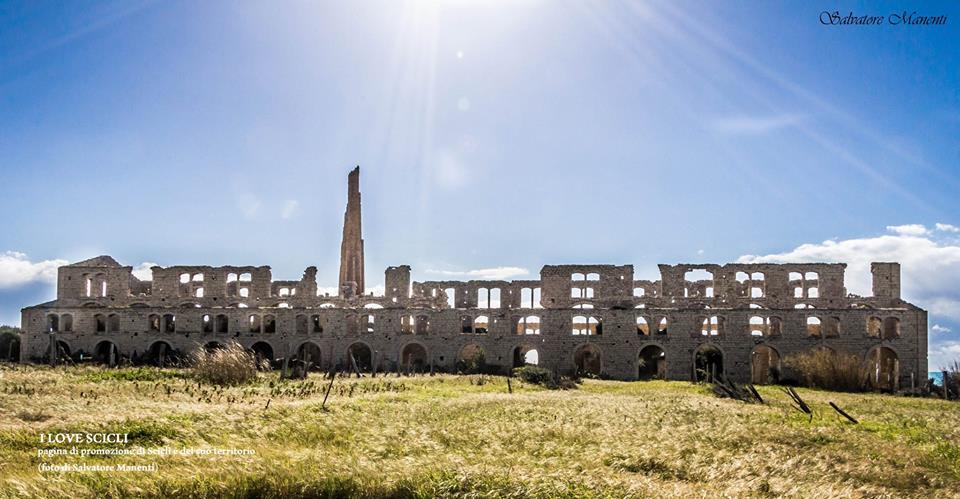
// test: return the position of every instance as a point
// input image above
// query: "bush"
(533, 375)
(231, 365)
(540, 376)
(829, 370)
(951, 380)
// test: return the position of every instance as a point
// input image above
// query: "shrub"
(823, 368)
(231, 365)
(951, 380)
(533, 375)
(540, 376)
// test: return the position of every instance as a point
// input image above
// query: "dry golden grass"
(229, 365)
(830, 370)
(454, 436)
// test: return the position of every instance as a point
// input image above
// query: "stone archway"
(764, 365)
(652, 363)
(883, 366)
(362, 354)
(524, 355)
(263, 352)
(471, 359)
(106, 353)
(161, 354)
(414, 358)
(708, 363)
(588, 360)
(310, 353)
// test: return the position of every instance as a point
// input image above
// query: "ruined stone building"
(736, 320)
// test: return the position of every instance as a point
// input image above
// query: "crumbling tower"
(351, 249)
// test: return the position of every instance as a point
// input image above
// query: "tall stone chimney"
(351, 249)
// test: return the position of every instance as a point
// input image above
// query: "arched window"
(814, 327)
(222, 323)
(466, 324)
(480, 324)
(101, 323)
(758, 326)
(66, 322)
(169, 323)
(662, 326)
(710, 326)
(369, 323)
(891, 328)
(528, 325)
(588, 326)
(316, 326)
(154, 322)
(642, 327)
(874, 327)
(53, 323)
(254, 322)
(269, 324)
(207, 324)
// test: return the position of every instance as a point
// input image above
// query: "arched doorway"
(310, 353)
(652, 363)
(161, 354)
(10, 347)
(213, 345)
(708, 363)
(263, 352)
(471, 359)
(362, 355)
(106, 353)
(883, 368)
(588, 360)
(413, 357)
(525, 355)
(764, 365)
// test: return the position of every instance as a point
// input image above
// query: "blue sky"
(489, 134)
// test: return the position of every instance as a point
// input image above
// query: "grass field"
(447, 435)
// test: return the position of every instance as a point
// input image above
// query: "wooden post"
(113, 355)
(333, 376)
(896, 376)
(946, 393)
(54, 350)
(353, 362)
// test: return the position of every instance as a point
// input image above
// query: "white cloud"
(143, 271)
(753, 125)
(943, 355)
(947, 228)
(16, 270)
(493, 274)
(908, 230)
(290, 208)
(937, 328)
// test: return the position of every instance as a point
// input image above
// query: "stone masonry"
(696, 321)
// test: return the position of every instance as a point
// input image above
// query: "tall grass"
(829, 370)
(230, 365)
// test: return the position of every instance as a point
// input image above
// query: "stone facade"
(698, 320)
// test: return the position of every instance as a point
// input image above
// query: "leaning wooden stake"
(755, 393)
(844, 414)
(801, 405)
(509, 386)
(353, 362)
(333, 376)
